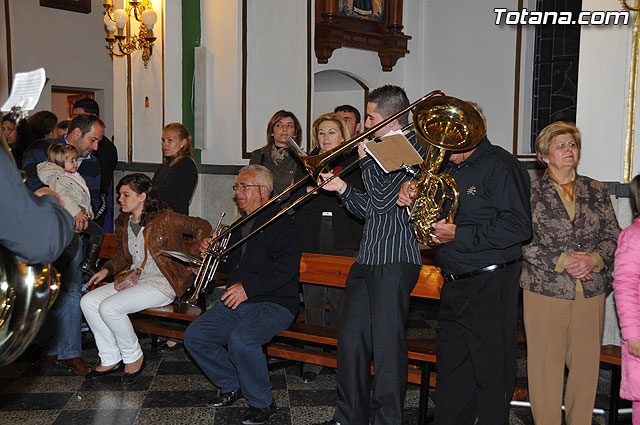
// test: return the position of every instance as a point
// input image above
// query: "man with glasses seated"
(260, 301)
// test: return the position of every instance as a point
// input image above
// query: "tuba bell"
(445, 124)
(26, 293)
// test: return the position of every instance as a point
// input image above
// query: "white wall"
(221, 20)
(467, 56)
(276, 64)
(149, 83)
(602, 95)
(69, 45)
(455, 46)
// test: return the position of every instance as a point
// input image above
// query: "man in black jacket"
(260, 301)
(478, 256)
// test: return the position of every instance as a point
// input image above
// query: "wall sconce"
(121, 43)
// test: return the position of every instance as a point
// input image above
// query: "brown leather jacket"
(167, 228)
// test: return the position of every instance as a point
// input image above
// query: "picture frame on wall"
(370, 10)
(374, 25)
(81, 6)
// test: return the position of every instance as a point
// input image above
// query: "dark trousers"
(373, 326)
(243, 331)
(477, 348)
(94, 233)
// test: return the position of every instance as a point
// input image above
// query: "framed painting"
(374, 25)
(370, 10)
(82, 6)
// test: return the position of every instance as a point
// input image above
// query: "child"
(627, 294)
(60, 173)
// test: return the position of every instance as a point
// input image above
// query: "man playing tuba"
(478, 255)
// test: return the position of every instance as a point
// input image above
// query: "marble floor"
(172, 390)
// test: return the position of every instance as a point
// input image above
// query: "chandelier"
(120, 41)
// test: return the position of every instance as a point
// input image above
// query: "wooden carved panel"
(377, 29)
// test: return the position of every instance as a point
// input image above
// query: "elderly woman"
(567, 267)
(275, 155)
(145, 228)
(326, 227)
(175, 180)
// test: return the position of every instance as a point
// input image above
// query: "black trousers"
(477, 348)
(94, 233)
(373, 326)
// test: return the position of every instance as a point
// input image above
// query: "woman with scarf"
(275, 155)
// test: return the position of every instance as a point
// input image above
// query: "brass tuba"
(444, 123)
(26, 293)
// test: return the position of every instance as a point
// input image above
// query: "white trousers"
(106, 311)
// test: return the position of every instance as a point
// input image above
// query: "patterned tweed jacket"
(594, 229)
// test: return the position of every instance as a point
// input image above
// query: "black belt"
(449, 277)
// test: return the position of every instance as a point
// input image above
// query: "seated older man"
(260, 301)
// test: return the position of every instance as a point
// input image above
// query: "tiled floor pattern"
(172, 390)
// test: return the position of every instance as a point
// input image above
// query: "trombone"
(313, 166)
(209, 263)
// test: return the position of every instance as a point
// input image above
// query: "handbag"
(128, 278)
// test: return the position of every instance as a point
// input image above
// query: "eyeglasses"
(243, 186)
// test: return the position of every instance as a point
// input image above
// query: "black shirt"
(347, 228)
(494, 216)
(175, 185)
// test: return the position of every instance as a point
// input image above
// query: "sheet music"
(26, 90)
(393, 152)
(186, 258)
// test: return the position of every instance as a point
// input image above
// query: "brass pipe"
(209, 264)
(284, 210)
(315, 164)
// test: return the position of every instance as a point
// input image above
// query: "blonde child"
(60, 173)
(626, 286)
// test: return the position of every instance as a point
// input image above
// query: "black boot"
(88, 265)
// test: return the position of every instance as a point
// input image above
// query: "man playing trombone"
(379, 283)
(260, 301)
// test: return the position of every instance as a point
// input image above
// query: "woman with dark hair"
(275, 155)
(566, 270)
(145, 228)
(175, 180)
(38, 126)
(626, 287)
(9, 129)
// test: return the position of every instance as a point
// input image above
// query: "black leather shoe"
(226, 399)
(96, 374)
(255, 415)
(130, 378)
(164, 348)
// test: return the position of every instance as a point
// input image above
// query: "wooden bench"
(171, 321)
